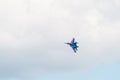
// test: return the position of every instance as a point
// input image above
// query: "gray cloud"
(32, 42)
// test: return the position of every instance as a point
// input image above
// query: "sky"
(33, 33)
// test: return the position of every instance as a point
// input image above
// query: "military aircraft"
(73, 44)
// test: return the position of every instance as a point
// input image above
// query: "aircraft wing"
(74, 49)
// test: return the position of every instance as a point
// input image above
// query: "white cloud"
(32, 41)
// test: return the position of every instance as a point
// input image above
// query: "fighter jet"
(73, 44)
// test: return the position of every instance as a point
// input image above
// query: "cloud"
(32, 42)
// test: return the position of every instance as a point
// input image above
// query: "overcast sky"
(33, 33)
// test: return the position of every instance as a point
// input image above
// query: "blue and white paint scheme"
(73, 44)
